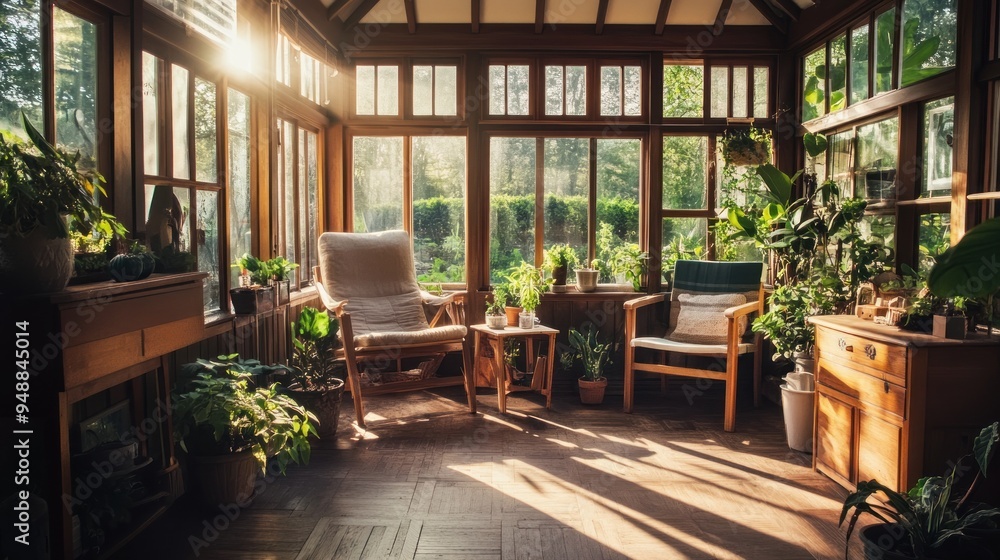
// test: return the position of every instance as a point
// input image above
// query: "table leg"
(548, 372)
(501, 375)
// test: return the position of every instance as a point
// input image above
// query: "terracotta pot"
(325, 404)
(592, 392)
(512, 314)
(225, 479)
(35, 264)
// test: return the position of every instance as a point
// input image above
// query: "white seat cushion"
(449, 333)
(667, 345)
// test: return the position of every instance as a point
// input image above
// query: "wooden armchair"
(367, 280)
(710, 305)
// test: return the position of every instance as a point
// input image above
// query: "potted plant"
(559, 258)
(40, 188)
(527, 284)
(956, 271)
(504, 298)
(496, 317)
(255, 294)
(281, 270)
(627, 264)
(133, 263)
(950, 322)
(313, 376)
(586, 278)
(932, 520)
(231, 428)
(746, 146)
(594, 356)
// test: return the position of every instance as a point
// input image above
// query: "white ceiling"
(636, 12)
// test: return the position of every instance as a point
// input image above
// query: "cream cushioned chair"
(368, 281)
(710, 304)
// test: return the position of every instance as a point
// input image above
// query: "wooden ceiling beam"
(602, 15)
(772, 16)
(411, 15)
(790, 8)
(661, 16)
(335, 8)
(360, 12)
(720, 18)
(477, 7)
(539, 15)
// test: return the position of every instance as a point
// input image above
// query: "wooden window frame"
(729, 63)
(401, 90)
(460, 97)
(277, 224)
(562, 62)
(534, 101)
(644, 80)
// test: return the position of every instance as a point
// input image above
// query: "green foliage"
(560, 254)
(314, 340)
(527, 284)
(280, 268)
(683, 95)
(261, 272)
(39, 184)
(218, 411)
(593, 355)
(498, 300)
(745, 145)
(630, 261)
(789, 305)
(929, 514)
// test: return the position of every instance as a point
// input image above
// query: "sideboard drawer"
(883, 394)
(858, 352)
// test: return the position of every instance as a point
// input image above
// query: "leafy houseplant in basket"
(41, 189)
(746, 146)
(230, 428)
(314, 379)
(933, 520)
(594, 356)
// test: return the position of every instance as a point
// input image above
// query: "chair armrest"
(431, 299)
(335, 305)
(742, 310)
(642, 301)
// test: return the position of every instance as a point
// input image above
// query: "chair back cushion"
(701, 319)
(374, 273)
(713, 277)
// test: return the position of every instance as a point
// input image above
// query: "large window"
(415, 183)
(571, 170)
(20, 64)
(297, 198)
(509, 89)
(216, 19)
(686, 206)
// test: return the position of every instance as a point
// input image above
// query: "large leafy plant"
(970, 269)
(313, 365)
(931, 514)
(527, 284)
(219, 410)
(560, 254)
(592, 354)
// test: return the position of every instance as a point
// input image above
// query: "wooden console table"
(489, 353)
(895, 406)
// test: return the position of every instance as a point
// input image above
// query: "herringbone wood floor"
(428, 480)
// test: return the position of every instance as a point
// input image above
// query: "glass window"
(685, 172)
(934, 237)
(240, 219)
(311, 78)
(683, 90)
(509, 93)
(20, 77)
(297, 205)
(618, 177)
(283, 61)
(376, 90)
(565, 90)
(840, 154)
(435, 90)
(75, 51)
(929, 29)
(438, 172)
(151, 66)
(207, 236)
(885, 49)
(938, 129)
(364, 85)
(215, 19)
(761, 87)
(633, 91)
(838, 73)
(387, 90)
(512, 203)
(740, 93)
(814, 85)
(567, 192)
(720, 92)
(611, 90)
(875, 167)
(859, 64)
(180, 103)
(685, 239)
(621, 91)
(378, 183)
(205, 133)
(880, 228)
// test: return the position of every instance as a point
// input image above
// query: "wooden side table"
(489, 353)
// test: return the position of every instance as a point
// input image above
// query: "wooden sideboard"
(895, 406)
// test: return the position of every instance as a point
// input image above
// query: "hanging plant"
(746, 146)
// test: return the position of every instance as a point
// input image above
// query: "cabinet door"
(834, 437)
(878, 450)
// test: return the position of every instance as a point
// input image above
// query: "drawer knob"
(870, 351)
(842, 344)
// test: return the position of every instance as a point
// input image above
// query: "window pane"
(567, 189)
(423, 90)
(75, 46)
(684, 239)
(875, 170)
(885, 47)
(309, 257)
(683, 90)
(439, 208)
(498, 89)
(859, 64)
(814, 86)
(205, 135)
(517, 90)
(283, 61)
(306, 160)
(720, 92)
(364, 85)
(618, 165)
(839, 159)
(880, 228)
(388, 90)
(240, 220)
(553, 90)
(446, 90)
(939, 124)
(633, 91)
(512, 203)
(929, 29)
(167, 221)
(150, 113)
(611, 91)
(207, 234)
(934, 236)
(216, 19)
(179, 105)
(761, 88)
(20, 77)
(378, 183)
(740, 91)
(286, 195)
(685, 172)
(576, 90)
(838, 73)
